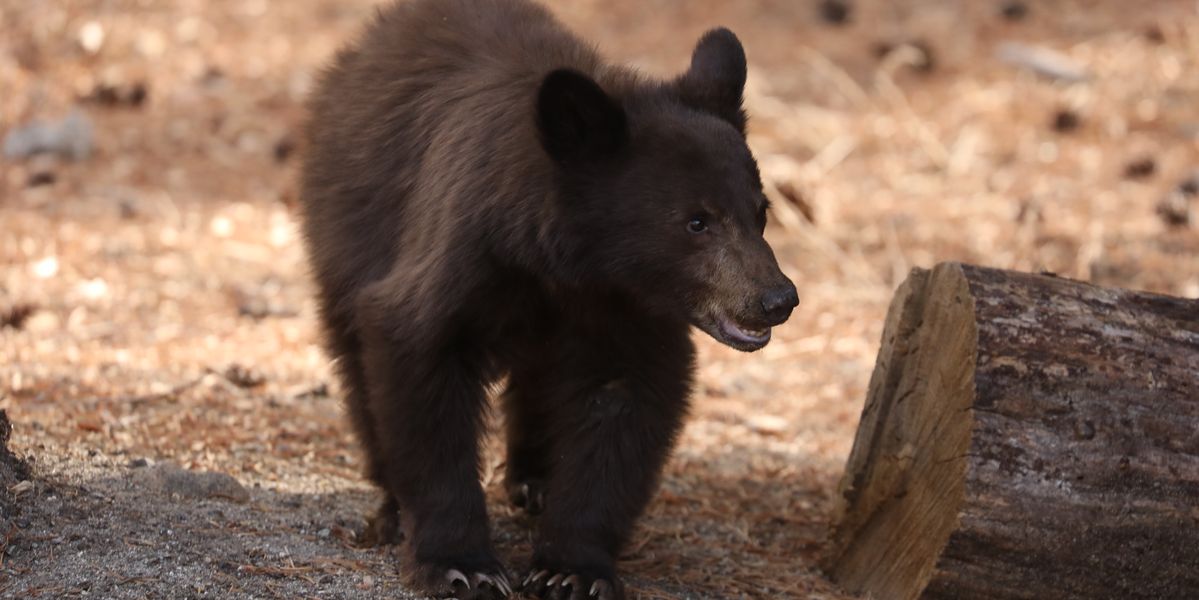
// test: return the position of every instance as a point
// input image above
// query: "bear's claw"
(545, 585)
(454, 576)
(601, 589)
(475, 585)
(534, 577)
(499, 582)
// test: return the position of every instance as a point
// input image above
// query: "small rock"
(45, 267)
(21, 487)
(171, 480)
(836, 12)
(324, 533)
(221, 226)
(71, 138)
(91, 37)
(766, 424)
(92, 289)
(138, 463)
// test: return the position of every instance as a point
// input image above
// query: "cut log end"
(1025, 437)
(906, 471)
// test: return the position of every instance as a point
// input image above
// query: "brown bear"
(486, 200)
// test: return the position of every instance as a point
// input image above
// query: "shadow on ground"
(102, 529)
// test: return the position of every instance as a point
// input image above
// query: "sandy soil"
(156, 309)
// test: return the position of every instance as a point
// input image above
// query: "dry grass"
(171, 255)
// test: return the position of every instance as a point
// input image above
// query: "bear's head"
(661, 196)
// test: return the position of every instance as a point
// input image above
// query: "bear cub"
(486, 200)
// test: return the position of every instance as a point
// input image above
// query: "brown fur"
(483, 198)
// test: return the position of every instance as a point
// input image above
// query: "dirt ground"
(156, 311)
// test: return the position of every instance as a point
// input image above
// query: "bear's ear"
(577, 119)
(716, 80)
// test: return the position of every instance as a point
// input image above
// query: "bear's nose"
(779, 302)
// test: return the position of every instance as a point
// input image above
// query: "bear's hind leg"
(527, 419)
(382, 527)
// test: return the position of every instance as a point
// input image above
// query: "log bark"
(1025, 436)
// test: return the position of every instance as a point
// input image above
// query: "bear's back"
(424, 129)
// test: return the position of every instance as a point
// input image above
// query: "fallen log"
(1025, 436)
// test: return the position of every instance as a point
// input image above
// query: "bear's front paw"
(441, 581)
(528, 494)
(567, 584)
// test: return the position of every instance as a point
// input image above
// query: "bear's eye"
(697, 225)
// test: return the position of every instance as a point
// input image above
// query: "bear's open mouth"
(742, 337)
